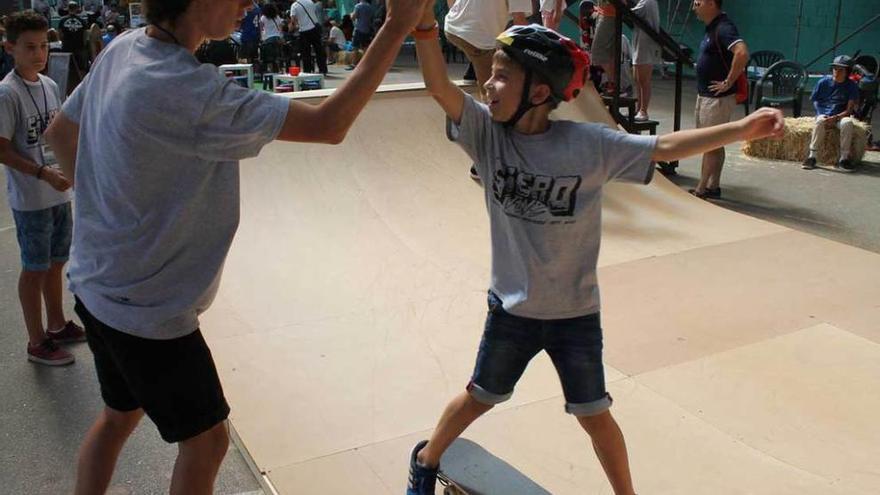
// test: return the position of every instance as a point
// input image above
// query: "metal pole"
(797, 36)
(618, 34)
(837, 24)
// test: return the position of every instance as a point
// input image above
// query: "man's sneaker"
(49, 353)
(474, 174)
(809, 164)
(422, 480)
(70, 332)
(845, 165)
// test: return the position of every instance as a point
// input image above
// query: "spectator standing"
(250, 33)
(96, 43)
(722, 58)
(73, 36)
(37, 189)
(646, 54)
(55, 44)
(270, 24)
(602, 50)
(835, 98)
(363, 30)
(304, 17)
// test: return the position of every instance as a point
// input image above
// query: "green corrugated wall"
(772, 25)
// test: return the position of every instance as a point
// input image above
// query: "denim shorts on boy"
(510, 342)
(174, 381)
(43, 236)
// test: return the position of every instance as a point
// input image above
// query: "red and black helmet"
(556, 58)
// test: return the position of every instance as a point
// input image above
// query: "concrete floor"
(45, 412)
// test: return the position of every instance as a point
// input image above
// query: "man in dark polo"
(723, 57)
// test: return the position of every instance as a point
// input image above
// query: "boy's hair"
(22, 22)
(537, 78)
(718, 3)
(157, 11)
(270, 11)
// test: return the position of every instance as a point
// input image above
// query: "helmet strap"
(525, 103)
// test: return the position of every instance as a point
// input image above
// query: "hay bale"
(795, 144)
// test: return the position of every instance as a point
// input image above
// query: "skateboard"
(468, 469)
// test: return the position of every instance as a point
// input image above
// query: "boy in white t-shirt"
(37, 189)
(543, 184)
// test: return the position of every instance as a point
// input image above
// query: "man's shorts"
(510, 342)
(646, 51)
(361, 41)
(602, 50)
(174, 381)
(43, 236)
(713, 111)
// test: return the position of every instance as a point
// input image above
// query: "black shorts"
(174, 381)
(361, 40)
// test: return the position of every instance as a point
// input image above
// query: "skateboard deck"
(468, 469)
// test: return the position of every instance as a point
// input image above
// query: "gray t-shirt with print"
(544, 197)
(26, 108)
(157, 182)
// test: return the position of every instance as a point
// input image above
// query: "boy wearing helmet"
(543, 184)
(835, 98)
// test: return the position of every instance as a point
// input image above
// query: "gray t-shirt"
(544, 196)
(26, 108)
(157, 184)
(363, 14)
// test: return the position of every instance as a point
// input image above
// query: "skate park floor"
(742, 354)
(732, 344)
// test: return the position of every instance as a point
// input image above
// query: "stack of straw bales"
(795, 145)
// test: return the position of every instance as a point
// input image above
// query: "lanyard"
(43, 120)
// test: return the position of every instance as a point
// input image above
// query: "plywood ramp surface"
(353, 301)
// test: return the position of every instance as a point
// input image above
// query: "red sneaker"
(70, 332)
(49, 353)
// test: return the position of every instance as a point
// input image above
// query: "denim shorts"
(573, 344)
(43, 236)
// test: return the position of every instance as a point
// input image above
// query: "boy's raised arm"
(766, 122)
(448, 95)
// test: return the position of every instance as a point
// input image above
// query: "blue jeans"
(510, 342)
(43, 236)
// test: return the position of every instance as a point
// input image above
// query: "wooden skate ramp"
(743, 356)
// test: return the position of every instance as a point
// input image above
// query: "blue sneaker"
(422, 480)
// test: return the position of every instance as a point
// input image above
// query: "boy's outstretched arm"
(766, 122)
(448, 95)
(330, 121)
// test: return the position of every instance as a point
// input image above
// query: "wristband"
(430, 33)
(40, 171)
